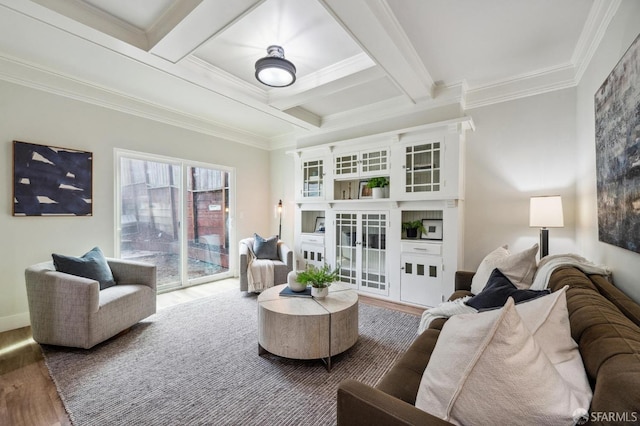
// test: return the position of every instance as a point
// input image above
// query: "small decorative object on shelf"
(319, 278)
(432, 229)
(412, 228)
(377, 184)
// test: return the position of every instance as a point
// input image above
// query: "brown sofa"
(604, 322)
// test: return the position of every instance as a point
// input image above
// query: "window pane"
(150, 200)
(207, 222)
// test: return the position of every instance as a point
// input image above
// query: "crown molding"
(529, 84)
(37, 77)
(601, 14)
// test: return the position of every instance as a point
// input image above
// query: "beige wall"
(282, 188)
(519, 149)
(33, 116)
(623, 29)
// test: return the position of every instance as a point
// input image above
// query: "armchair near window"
(281, 266)
(67, 310)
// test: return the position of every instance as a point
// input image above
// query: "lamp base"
(544, 242)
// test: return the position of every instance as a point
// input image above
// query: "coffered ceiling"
(362, 65)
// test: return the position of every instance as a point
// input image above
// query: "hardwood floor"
(28, 396)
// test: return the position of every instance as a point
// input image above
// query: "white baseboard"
(14, 321)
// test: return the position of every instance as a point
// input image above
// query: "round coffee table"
(305, 327)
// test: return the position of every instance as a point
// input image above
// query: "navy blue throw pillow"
(265, 248)
(92, 265)
(498, 289)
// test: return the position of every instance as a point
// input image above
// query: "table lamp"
(545, 212)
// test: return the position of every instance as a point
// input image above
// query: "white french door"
(361, 250)
(175, 214)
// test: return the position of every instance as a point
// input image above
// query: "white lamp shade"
(546, 212)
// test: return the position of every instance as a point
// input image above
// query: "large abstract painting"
(617, 116)
(51, 181)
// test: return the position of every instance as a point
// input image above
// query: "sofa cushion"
(623, 302)
(265, 248)
(464, 380)
(519, 267)
(498, 289)
(609, 342)
(92, 265)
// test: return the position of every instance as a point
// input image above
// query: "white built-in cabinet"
(362, 236)
(421, 273)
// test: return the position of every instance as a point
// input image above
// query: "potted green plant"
(413, 227)
(319, 279)
(377, 184)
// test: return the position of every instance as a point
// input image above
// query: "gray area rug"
(197, 364)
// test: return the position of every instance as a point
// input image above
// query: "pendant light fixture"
(274, 70)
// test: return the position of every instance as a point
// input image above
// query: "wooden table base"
(307, 328)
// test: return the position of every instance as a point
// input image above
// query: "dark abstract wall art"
(51, 181)
(617, 125)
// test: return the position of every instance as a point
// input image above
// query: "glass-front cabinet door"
(361, 250)
(346, 166)
(374, 240)
(312, 179)
(362, 164)
(346, 235)
(374, 163)
(422, 167)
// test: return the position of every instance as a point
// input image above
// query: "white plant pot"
(377, 192)
(292, 281)
(319, 293)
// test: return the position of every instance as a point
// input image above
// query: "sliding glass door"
(176, 215)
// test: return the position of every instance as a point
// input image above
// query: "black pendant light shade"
(274, 70)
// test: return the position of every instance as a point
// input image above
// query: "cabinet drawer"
(312, 238)
(420, 247)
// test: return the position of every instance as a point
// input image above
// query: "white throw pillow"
(547, 319)
(518, 267)
(488, 368)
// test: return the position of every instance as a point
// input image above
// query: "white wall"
(623, 29)
(283, 188)
(519, 149)
(30, 115)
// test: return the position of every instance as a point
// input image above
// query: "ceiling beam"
(179, 33)
(372, 24)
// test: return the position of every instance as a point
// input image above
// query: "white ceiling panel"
(142, 14)
(309, 37)
(489, 41)
(191, 62)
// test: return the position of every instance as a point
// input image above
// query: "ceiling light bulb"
(274, 70)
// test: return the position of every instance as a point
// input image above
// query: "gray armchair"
(281, 267)
(67, 310)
